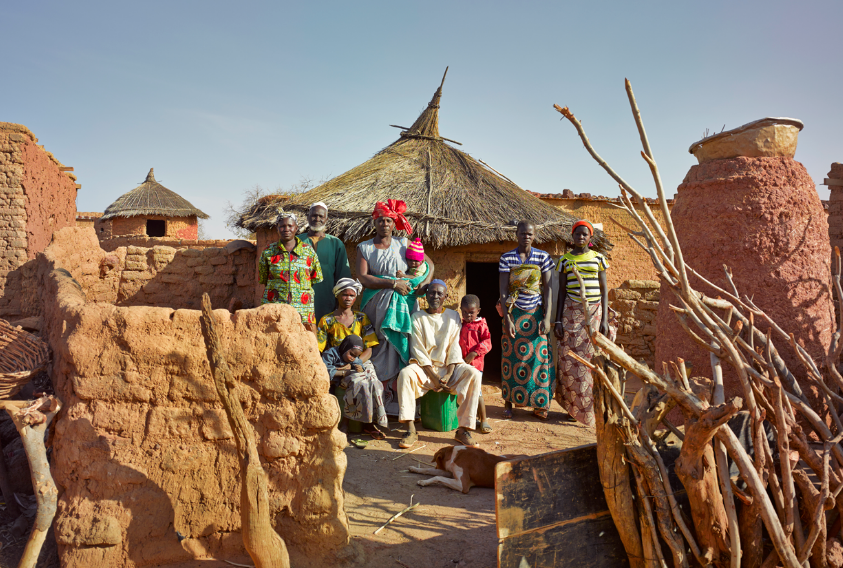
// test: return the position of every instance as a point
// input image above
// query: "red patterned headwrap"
(394, 209)
(583, 223)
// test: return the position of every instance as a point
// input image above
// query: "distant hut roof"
(452, 199)
(151, 198)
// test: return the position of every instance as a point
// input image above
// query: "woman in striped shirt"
(527, 374)
(573, 390)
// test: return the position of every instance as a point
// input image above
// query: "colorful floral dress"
(289, 277)
(528, 377)
(330, 332)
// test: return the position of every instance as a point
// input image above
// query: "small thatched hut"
(461, 208)
(151, 210)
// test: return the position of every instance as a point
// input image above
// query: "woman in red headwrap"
(378, 261)
(574, 381)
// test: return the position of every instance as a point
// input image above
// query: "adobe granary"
(748, 201)
(151, 210)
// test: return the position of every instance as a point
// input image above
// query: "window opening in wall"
(156, 228)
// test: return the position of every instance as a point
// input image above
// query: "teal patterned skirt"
(528, 377)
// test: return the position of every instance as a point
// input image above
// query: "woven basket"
(22, 355)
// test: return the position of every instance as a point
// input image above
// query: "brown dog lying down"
(461, 467)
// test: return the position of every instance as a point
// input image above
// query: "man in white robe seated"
(436, 363)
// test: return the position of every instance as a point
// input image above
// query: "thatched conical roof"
(152, 198)
(452, 199)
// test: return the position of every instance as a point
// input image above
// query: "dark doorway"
(481, 279)
(156, 228)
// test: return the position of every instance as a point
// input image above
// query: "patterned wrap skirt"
(575, 382)
(364, 396)
(527, 374)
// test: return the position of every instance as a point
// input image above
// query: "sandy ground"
(448, 529)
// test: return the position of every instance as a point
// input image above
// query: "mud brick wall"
(36, 198)
(113, 243)
(627, 260)
(142, 448)
(177, 227)
(637, 303)
(158, 275)
(86, 219)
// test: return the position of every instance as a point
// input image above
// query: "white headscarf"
(319, 204)
(345, 284)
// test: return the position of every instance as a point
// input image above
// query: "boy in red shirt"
(475, 342)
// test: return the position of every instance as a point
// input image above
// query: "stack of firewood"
(777, 509)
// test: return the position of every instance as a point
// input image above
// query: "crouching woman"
(363, 400)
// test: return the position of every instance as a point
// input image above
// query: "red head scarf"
(583, 223)
(394, 209)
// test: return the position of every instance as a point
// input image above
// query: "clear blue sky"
(219, 97)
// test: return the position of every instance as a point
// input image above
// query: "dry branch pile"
(784, 501)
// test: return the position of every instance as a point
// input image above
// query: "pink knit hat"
(415, 251)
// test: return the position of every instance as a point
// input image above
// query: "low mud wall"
(158, 275)
(143, 455)
(637, 303)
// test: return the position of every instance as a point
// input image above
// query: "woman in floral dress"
(288, 269)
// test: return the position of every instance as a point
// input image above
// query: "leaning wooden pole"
(32, 420)
(614, 471)
(263, 544)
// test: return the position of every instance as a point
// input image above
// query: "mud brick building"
(150, 210)
(37, 197)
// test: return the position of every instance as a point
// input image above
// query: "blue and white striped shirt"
(538, 257)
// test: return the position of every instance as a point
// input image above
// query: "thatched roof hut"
(452, 198)
(151, 198)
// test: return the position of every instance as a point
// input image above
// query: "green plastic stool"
(354, 427)
(439, 411)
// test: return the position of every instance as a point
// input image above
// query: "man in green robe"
(332, 257)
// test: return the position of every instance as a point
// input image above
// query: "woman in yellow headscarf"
(573, 390)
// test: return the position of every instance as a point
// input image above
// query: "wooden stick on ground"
(32, 423)
(410, 452)
(263, 544)
(398, 514)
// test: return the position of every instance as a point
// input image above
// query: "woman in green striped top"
(573, 390)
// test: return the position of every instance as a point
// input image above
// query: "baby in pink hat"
(416, 266)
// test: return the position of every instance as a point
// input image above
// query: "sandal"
(507, 413)
(540, 414)
(408, 440)
(372, 430)
(484, 427)
(464, 438)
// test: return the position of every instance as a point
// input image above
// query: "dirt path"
(448, 529)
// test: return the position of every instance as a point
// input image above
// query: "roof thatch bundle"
(452, 199)
(151, 198)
